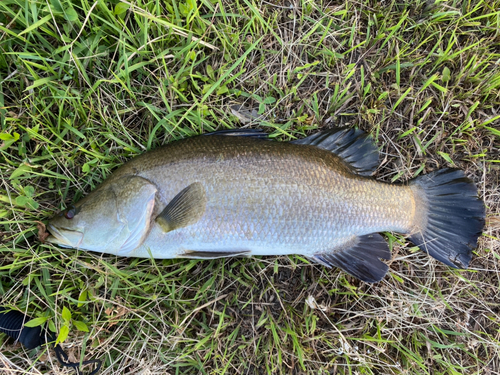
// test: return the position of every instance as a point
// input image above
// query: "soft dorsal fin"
(354, 146)
(185, 209)
(360, 257)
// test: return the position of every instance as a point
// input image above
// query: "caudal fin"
(455, 216)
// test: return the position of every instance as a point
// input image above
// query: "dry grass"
(87, 90)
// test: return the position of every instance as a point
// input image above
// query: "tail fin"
(455, 216)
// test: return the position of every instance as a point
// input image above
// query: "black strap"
(63, 359)
(12, 324)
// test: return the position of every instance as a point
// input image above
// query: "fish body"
(280, 198)
(221, 195)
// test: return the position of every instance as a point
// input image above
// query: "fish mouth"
(70, 238)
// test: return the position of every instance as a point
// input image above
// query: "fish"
(238, 193)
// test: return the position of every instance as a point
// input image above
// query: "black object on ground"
(12, 324)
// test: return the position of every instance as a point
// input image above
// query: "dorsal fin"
(353, 146)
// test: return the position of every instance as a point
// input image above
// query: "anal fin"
(197, 254)
(360, 257)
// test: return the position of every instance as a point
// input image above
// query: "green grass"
(86, 85)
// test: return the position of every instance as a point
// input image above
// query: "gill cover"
(114, 219)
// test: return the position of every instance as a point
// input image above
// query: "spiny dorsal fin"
(360, 257)
(354, 146)
(185, 209)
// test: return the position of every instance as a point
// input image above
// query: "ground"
(86, 85)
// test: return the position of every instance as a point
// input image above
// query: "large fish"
(234, 193)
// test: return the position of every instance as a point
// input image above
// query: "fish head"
(114, 219)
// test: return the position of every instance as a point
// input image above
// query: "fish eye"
(70, 213)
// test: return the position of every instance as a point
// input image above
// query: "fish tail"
(452, 218)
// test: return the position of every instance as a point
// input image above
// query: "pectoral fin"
(360, 257)
(185, 209)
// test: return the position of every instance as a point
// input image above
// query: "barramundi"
(235, 193)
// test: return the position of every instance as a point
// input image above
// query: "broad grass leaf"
(82, 297)
(36, 322)
(66, 314)
(81, 326)
(63, 334)
(121, 8)
(7, 140)
(19, 171)
(446, 75)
